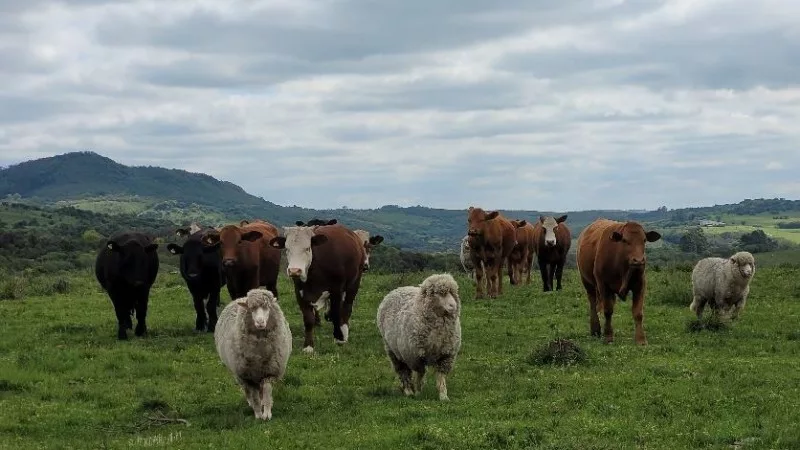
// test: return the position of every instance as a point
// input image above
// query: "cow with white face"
(324, 263)
(552, 239)
(368, 242)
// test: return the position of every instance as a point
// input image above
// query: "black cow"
(126, 269)
(316, 222)
(202, 270)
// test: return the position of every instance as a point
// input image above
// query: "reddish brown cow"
(247, 258)
(552, 239)
(492, 238)
(325, 264)
(521, 258)
(612, 262)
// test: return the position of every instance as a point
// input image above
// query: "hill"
(89, 181)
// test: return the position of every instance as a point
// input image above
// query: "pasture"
(66, 382)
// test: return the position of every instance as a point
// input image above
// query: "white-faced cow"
(552, 239)
(323, 263)
(368, 243)
(126, 269)
(201, 269)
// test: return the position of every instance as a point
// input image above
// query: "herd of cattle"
(327, 260)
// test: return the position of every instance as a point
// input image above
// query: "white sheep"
(421, 327)
(254, 341)
(723, 281)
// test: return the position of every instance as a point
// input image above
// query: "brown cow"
(552, 239)
(492, 238)
(521, 258)
(612, 262)
(247, 258)
(325, 264)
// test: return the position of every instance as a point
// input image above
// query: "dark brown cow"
(521, 258)
(552, 239)
(612, 262)
(247, 258)
(325, 264)
(492, 238)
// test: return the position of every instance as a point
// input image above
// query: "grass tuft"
(562, 352)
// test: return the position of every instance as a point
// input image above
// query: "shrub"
(563, 352)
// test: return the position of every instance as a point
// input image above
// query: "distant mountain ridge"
(94, 182)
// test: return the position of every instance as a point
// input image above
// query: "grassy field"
(766, 222)
(65, 382)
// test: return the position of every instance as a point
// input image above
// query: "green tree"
(694, 241)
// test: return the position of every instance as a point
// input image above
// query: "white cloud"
(534, 104)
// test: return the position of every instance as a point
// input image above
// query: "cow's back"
(508, 234)
(260, 252)
(340, 257)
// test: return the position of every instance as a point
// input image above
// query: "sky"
(540, 105)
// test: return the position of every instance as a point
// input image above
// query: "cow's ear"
(562, 219)
(211, 248)
(243, 222)
(375, 240)
(151, 247)
(278, 242)
(333, 222)
(300, 223)
(175, 249)
(113, 246)
(616, 236)
(653, 236)
(211, 239)
(180, 232)
(251, 235)
(492, 215)
(521, 223)
(318, 239)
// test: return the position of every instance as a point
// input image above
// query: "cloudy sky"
(534, 104)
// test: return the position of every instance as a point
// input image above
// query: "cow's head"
(132, 260)
(229, 238)
(633, 238)
(298, 242)
(316, 222)
(193, 252)
(476, 220)
(368, 243)
(550, 224)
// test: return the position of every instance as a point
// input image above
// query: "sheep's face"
(258, 307)
(745, 263)
(298, 242)
(446, 305)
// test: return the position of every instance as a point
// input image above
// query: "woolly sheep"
(723, 281)
(254, 341)
(421, 327)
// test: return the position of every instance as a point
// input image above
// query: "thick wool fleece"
(721, 281)
(253, 355)
(415, 331)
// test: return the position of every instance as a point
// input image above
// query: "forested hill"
(89, 181)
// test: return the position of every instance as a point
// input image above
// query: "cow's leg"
(543, 272)
(594, 322)
(637, 309)
(119, 301)
(336, 313)
(347, 308)
(559, 273)
(141, 313)
(309, 321)
(609, 300)
(551, 274)
(200, 312)
(492, 275)
(211, 309)
(480, 276)
(512, 272)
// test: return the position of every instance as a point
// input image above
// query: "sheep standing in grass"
(254, 342)
(421, 327)
(466, 260)
(725, 282)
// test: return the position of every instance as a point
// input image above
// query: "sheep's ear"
(242, 303)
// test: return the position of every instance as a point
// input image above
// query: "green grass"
(764, 222)
(66, 382)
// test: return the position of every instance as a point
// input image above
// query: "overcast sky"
(515, 104)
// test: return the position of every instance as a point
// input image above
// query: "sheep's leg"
(594, 322)
(251, 393)
(403, 371)
(441, 386)
(697, 306)
(737, 307)
(419, 380)
(266, 400)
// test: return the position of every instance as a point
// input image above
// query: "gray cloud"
(525, 104)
